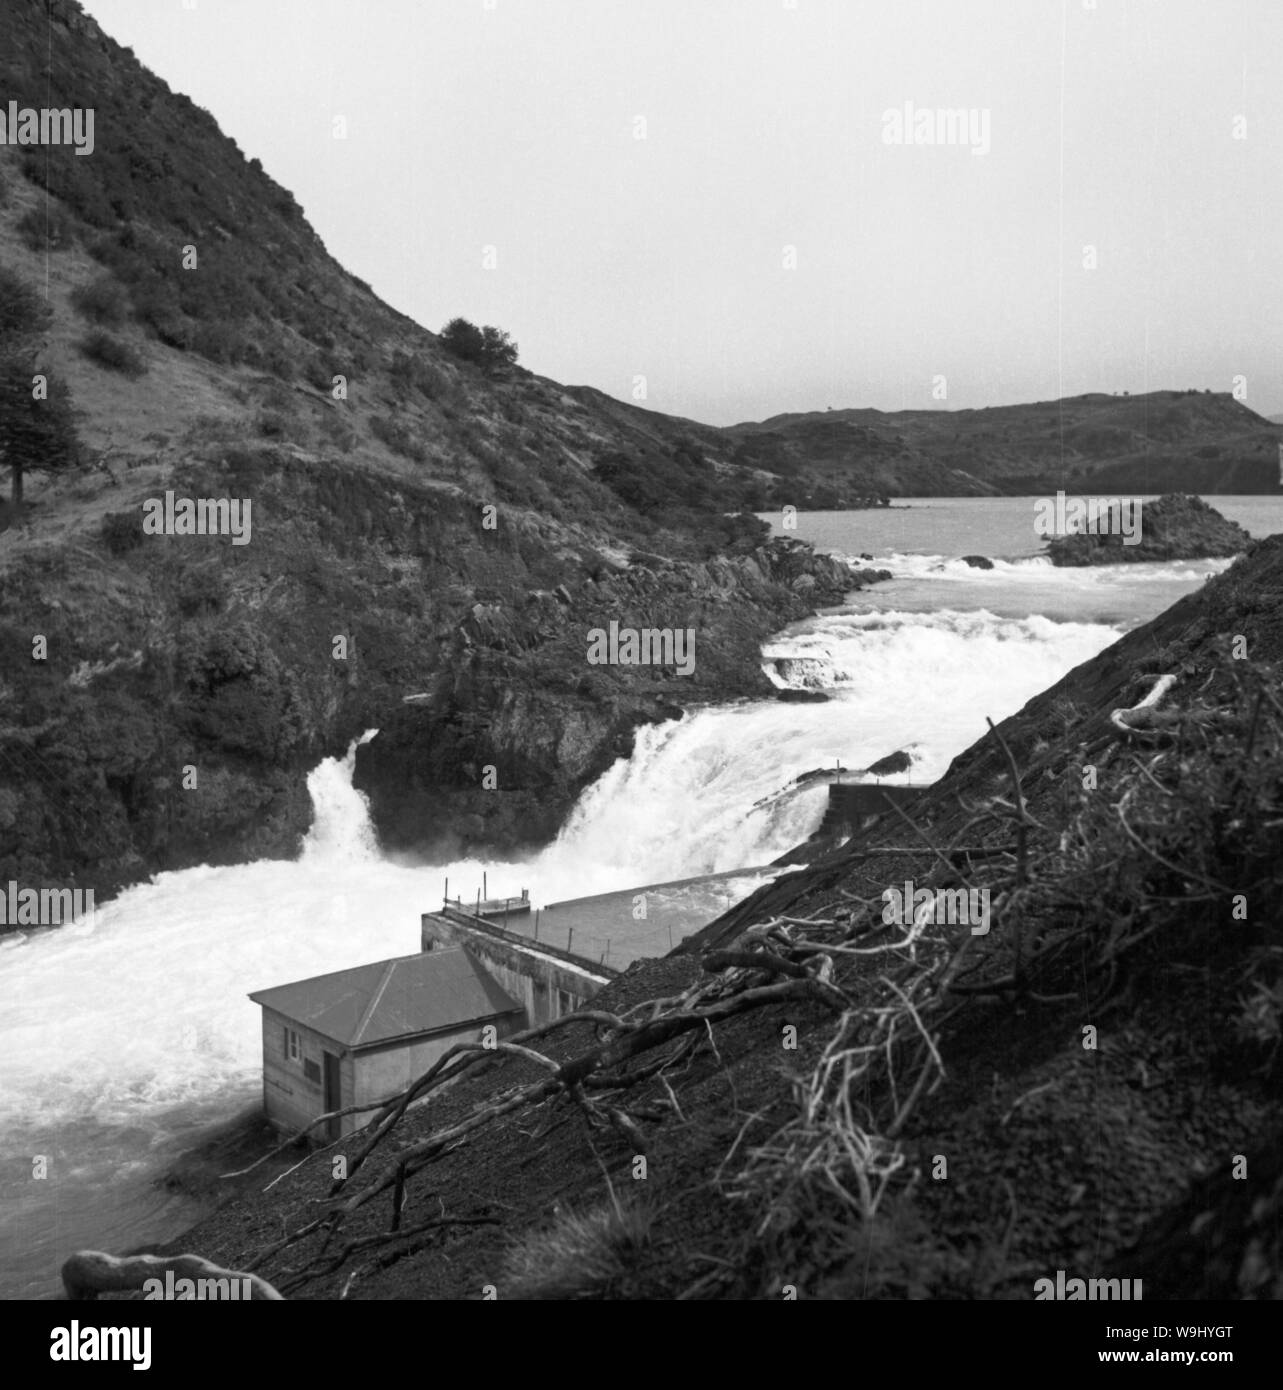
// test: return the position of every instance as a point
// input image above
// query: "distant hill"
(1163, 441)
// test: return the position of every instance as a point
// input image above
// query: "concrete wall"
(857, 805)
(546, 982)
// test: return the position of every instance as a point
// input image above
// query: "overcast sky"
(710, 194)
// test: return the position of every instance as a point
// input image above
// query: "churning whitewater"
(122, 1037)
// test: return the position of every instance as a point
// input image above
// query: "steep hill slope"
(420, 527)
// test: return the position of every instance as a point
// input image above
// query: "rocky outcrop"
(899, 761)
(518, 722)
(1176, 527)
(977, 562)
(186, 697)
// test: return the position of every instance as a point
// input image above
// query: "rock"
(1176, 527)
(860, 578)
(893, 762)
(801, 697)
(977, 562)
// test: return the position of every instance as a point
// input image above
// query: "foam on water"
(1038, 569)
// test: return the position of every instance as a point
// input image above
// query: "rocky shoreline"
(522, 699)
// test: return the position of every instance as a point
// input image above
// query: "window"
(293, 1045)
(312, 1071)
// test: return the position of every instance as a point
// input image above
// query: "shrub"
(656, 483)
(45, 229)
(318, 374)
(22, 311)
(245, 470)
(281, 361)
(314, 326)
(219, 341)
(335, 429)
(463, 340)
(156, 307)
(489, 348)
(413, 374)
(122, 531)
(114, 354)
(397, 438)
(202, 591)
(272, 425)
(498, 349)
(581, 1255)
(102, 301)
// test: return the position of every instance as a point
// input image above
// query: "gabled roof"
(428, 992)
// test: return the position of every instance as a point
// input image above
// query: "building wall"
(858, 805)
(383, 1072)
(290, 1098)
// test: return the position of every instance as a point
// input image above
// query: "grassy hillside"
(421, 526)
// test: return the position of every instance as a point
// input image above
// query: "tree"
(499, 350)
(489, 348)
(36, 422)
(23, 314)
(463, 340)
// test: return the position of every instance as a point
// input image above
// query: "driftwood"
(1144, 717)
(90, 1272)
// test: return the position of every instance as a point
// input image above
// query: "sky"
(722, 209)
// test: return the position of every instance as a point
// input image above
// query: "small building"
(359, 1035)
